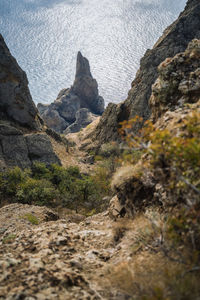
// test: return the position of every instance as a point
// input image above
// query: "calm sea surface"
(45, 36)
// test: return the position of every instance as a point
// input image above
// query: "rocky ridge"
(178, 82)
(174, 40)
(16, 103)
(175, 97)
(22, 135)
(77, 106)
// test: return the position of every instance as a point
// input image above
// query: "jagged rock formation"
(175, 96)
(22, 140)
(178, 82)
(15, 99)
(63, 115)
(174, 40)
(83, 118)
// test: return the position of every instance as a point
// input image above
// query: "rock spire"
(62, 113)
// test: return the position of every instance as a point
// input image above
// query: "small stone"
(36, 264)
(61, 241)
(76, 264)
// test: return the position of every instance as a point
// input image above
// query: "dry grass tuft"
(150, 274)
(122, 278)
(120, 228)
(125, 174)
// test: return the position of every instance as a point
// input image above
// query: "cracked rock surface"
(56, 259)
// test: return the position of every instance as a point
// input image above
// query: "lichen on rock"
(178, 82)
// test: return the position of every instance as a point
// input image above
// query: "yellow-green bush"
(174, 159)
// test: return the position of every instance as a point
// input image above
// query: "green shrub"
(52, 186)
(40, 192)
(13, 178)
(40, 171)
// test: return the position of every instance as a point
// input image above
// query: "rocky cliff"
(15, 99)
(22, 136)
(175, 106)
(76, 107)
(174, 40)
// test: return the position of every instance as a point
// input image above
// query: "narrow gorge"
(104, 203)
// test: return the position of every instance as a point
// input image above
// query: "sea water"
(45, 36)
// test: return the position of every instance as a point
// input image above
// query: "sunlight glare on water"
(45, 36)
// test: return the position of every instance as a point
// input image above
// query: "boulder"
(83, 118)
(17, 149)
(14, 151)
(54, 120)
(67, 106)
(40, 149)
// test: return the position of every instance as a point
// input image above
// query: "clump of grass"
(9, 238)
(151, 276)
(31, 218)
(119, 229)
(121, 277)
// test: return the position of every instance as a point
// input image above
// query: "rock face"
(63, 114)
(86, 87)
(15, 99)
(175, 96)
(18, 149)
(178, 82)
(174, 40)
(132, 193)
(21, 138)
(83, 118)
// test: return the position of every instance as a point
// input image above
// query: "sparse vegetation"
(119, 229)
(9, 238)
(174, 159)
(166, 251)
(164, 264)
(31, 218)
(52, 186)
(107, 162)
